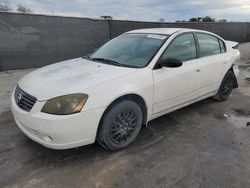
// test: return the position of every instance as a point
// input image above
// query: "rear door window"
(209, 45)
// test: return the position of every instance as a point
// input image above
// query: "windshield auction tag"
(154, 36)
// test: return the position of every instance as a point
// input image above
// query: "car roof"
(166, 31)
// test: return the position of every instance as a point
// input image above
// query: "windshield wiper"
(108, 61)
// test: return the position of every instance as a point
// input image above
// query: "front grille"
(24, 100)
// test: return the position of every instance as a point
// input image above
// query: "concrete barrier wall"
(29, 41)
(248, 33)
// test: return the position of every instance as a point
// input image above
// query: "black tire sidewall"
(107, 122)
(221, 95)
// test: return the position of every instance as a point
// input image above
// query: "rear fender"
(235, 78)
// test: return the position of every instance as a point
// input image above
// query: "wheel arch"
(132, 97)
(235, 79)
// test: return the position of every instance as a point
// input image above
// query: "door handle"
(198, 70)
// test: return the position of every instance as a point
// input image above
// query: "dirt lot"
(206, 144)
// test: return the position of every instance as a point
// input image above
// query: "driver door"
(175, 87)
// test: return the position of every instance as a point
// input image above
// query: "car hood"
(67, 77)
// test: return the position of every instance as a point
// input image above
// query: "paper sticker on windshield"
(154, 36)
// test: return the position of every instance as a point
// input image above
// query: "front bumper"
(57, 131)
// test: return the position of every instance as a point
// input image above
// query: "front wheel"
(226, 87)
(34, 49)
(120, 126)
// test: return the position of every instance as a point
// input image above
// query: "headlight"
(67, 104)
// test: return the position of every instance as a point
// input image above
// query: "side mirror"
(170, 62)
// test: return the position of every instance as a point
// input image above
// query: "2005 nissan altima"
(136, 77)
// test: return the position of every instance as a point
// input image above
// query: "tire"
(226, 87)
(120, 125)
(34, 49)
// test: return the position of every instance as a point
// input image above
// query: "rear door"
(212, 60)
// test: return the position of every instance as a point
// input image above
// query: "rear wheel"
(226, 87)
(120, 125)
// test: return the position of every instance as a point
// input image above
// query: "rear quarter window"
(222, 46)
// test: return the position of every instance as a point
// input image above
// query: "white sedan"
(136, 77)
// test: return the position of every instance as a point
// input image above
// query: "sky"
(142, 10)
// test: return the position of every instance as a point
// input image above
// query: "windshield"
(130, 50)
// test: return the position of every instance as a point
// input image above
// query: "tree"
(23, 9)
(223, 20)
(5, 6)
(193, 20)
(161, 20)
(208, 19)
(199, 19)
(180, 21)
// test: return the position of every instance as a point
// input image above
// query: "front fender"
(139, 82)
